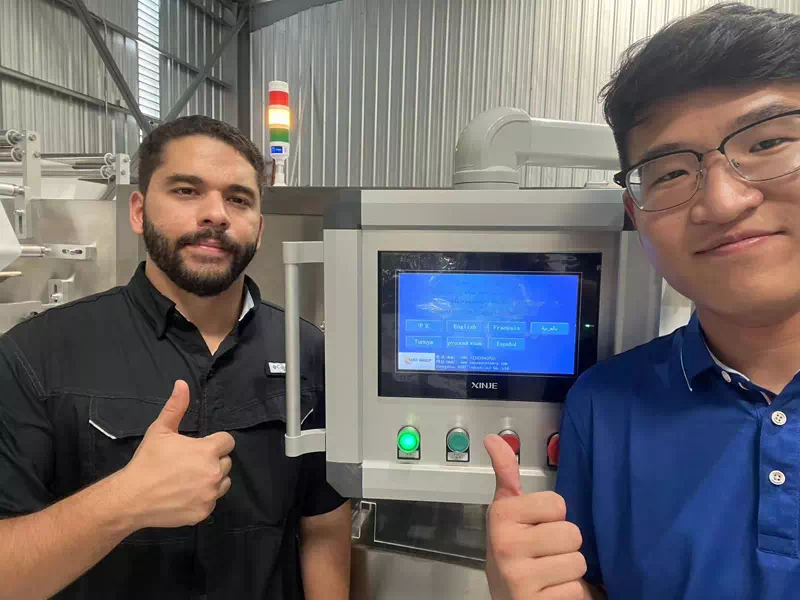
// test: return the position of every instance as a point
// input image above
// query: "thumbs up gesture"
(173, 480)
(532, 551)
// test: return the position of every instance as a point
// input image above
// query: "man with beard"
(141, 429)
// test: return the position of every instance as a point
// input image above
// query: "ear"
(136, 210)
(260, 232)
(630, 208)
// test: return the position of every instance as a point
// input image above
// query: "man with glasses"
(679, 473)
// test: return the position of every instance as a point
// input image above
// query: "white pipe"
(497, 142)
(10, 190)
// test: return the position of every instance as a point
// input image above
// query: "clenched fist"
(174, 480)
(532, 551)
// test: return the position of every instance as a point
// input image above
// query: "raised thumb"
(175, 408)
(506, 468)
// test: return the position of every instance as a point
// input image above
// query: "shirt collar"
(696, 356)
(159, 309)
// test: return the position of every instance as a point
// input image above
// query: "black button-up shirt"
(80, 385)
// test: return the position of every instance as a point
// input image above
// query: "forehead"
(702, 119)
(213, 160)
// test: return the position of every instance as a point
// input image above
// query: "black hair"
(152, 147)
(728, 44)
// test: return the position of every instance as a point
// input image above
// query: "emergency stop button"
(553, 450)
(511, 438)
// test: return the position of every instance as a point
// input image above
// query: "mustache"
(203, 236)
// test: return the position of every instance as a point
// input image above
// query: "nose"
(724, 195)
(213, 211)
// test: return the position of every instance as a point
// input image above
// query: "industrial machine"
(29, 178)
(451, 314)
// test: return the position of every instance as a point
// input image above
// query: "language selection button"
(507, 328)
(418, 342)
(423, 326)
(539, 328)
(464, 326)
(507, 344)
(465, 342)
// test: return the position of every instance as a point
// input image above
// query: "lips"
(736, 239)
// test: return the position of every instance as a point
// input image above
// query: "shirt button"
(726, 376)
(777, 478)
(779, 418)
(210, 520)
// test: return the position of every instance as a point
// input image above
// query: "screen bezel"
(521, 387)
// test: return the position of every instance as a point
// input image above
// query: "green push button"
(458, 440)
(408, 439)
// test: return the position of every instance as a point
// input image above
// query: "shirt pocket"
(265, 483)
(117, 426)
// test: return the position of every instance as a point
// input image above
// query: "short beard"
(165, 253)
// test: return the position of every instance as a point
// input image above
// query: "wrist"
(125, 512)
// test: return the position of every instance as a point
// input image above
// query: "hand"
(532, 552)
(173, 480)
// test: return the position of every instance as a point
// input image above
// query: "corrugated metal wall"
(380, 89)
(192, 36)
(46, 40)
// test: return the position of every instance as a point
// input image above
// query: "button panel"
(457, 445)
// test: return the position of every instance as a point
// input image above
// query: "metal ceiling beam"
(268, 13)
(230, 35)
(132, 36)
(85, 16)
(203, 10)
(57, 89)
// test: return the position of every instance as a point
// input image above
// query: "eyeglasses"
(762, 151)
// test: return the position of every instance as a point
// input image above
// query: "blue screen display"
(514, 323)
(276, 149)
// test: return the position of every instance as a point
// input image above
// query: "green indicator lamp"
(408, 439)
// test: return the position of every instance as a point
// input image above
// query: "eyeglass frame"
(621, 178)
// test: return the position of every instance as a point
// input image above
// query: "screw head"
(32, 137)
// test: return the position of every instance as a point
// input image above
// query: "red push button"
(512, 439)
(553, 450)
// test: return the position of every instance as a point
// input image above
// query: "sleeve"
(574, 484)
(26, 436)
(320, 497)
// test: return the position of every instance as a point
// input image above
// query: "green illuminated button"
(408, 439)
(458, 440)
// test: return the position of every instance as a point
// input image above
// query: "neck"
(214, 316)
(767, 352)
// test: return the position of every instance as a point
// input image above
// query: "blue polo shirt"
(683, 476)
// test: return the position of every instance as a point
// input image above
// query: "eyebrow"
(195, 180)
(748, 118)
(764, 112)
(659, 150)
(184, 178)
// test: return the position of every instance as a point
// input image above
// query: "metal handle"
(297, 442)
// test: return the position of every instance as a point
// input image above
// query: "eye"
(239, 200)
(768, 144)
(184, 191)
(671, 176)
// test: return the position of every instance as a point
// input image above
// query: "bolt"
(32, 137)
(123, 172)
(37, 155)
(125, 159)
